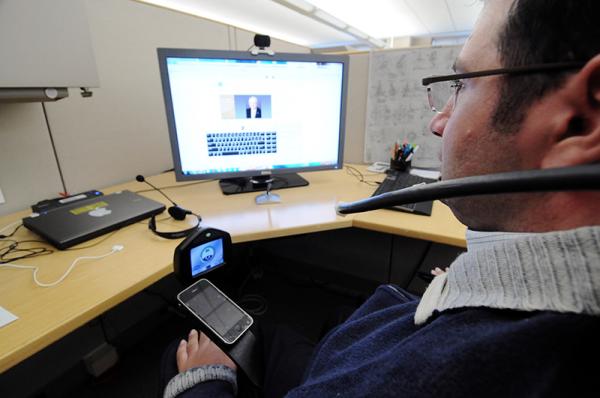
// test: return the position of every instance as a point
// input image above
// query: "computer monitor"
(246, 118)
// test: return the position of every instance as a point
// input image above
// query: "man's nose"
(438, 124)
(439, 121)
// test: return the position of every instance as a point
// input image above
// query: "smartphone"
(216, 311)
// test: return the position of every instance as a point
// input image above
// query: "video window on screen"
(253, 106)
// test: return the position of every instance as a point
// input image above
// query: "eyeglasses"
(442, 91)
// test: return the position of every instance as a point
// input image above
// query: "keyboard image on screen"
(241, 143)
(394, 181)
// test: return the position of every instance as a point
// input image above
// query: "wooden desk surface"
(94, 286)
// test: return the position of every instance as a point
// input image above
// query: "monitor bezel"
(165, 53)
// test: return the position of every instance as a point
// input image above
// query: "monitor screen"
(232, 114)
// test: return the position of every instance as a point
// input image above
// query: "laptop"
(396, 180)
(78, 222)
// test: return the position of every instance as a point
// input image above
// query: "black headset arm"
(576, 178)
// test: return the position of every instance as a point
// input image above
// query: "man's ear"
(576, 138)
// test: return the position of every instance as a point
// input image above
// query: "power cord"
(115, 249)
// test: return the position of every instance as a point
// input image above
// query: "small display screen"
(206, 256)
(216, 310)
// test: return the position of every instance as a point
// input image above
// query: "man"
(518, 314)
(253, 111)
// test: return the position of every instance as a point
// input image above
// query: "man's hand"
(438, 271)
(198, 351)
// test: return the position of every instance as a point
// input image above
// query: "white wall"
(122, 130)
(27, 166)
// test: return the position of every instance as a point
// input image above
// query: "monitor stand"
(231, 186)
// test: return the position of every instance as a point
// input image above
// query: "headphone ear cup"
(178, 213)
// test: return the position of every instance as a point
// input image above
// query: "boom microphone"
(140, 178)
(174, 211)
(576, 178)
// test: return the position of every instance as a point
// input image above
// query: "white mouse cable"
(115, 249)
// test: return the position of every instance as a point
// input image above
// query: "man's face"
(469, 144)
(252, 102)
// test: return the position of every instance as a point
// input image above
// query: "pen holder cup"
(400, 165)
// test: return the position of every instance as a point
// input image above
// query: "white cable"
(115, 248)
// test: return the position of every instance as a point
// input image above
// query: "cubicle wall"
(121, 131)
(367, 258)
(397, 106)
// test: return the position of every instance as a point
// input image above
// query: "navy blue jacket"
(471, 352)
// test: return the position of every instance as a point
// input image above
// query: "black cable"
(354, 172)
(12, 252)
(577, 178)
(62, 179)
(157, 221)
(12, 233)
(254, 304)
(175, 186)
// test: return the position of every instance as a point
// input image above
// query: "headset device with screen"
(205, 250)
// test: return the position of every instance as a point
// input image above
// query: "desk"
(47, 314)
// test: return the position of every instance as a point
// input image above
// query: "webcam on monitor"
(261, 45)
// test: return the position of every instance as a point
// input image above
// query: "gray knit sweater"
(555, 271)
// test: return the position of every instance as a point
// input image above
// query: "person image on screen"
(518, 314)
(253, 111)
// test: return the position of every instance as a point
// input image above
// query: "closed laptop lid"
(86, 219)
